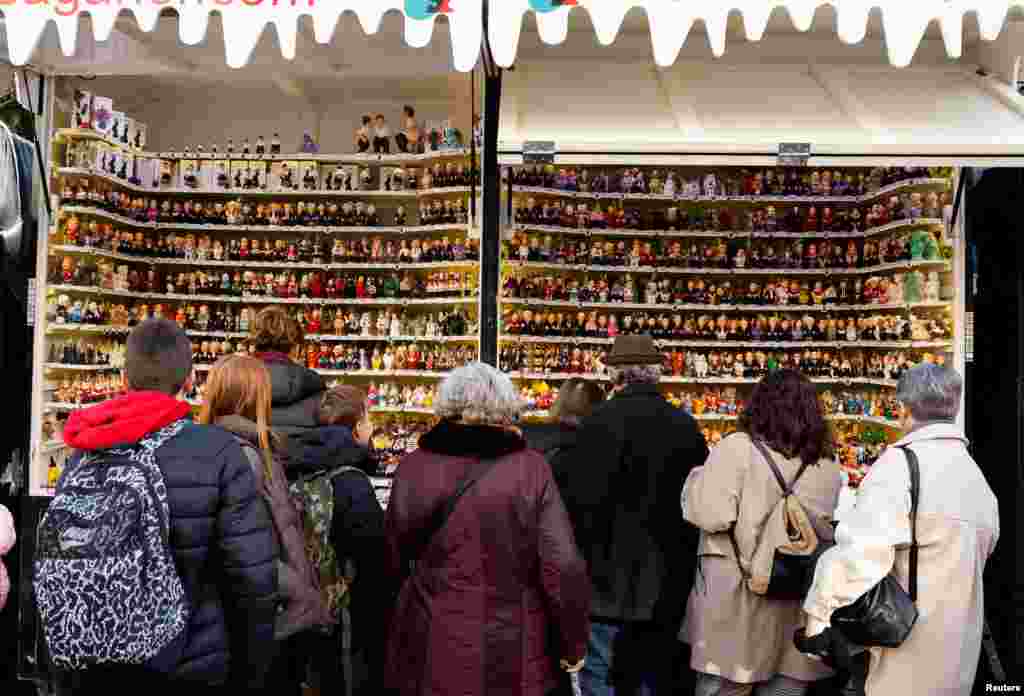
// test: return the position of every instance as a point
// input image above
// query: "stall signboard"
(244, 21)
(539, 152)
(670, 22)
(794, 154)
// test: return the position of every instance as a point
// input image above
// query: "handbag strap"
(476, 472)
(915, 494)
(787, 490)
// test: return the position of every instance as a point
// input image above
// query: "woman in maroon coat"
(498, 600)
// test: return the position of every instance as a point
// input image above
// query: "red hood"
(122, 421)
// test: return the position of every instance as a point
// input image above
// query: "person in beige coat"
(957, 530)
(742, 641)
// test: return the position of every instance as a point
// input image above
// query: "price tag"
(794, 154)
(539, 152)
(31, 313)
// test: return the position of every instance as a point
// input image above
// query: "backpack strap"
(787, 490)
(915, 494)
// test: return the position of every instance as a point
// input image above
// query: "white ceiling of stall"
(787, 85)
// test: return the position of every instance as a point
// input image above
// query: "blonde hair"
(239, 385)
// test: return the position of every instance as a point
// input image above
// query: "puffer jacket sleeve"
(245, 543)
(564, 575)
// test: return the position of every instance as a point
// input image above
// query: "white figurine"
(700, 366)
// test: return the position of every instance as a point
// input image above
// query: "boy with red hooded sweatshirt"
(221, 536)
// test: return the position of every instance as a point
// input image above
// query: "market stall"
(204, 181)
(201, 189)
(662, 199)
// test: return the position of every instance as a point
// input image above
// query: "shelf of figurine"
(614, 220)
(858, 445)
(899, 250)
(74, 391)
(368, 286)
(851, 185)
(238, 213)
(85, 355)
(312, 251)
(372, 144)
(139, 173)
(725, 366)
(395, 436)
(610, 289)
(409, 399)
(385, 359)
(228, 322)
(771, 330)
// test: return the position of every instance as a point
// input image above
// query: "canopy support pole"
(490, 236)
(490, 228)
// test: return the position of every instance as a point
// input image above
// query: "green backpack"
(314, 498)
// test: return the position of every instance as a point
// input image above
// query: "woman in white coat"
(957, 529)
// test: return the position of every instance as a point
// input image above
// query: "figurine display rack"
(843, 274)
(376, 255)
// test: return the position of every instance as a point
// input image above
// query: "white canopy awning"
(670, 21)
(244, 21)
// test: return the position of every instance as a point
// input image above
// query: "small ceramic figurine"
(381, 135)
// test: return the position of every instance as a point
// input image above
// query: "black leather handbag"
(885, 614)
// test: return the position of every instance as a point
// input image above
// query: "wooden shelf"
(688, 307)
(778, 345)
(935, 264)
(260, 299)
(916, 184)
(210, 228)
(671, 379)
(727, 234)
(263, 193)
(340, 158)
(259, 263)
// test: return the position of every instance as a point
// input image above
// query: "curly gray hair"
(625, 375)
(931, 392)
(478, 393)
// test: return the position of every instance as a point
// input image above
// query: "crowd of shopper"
(606, 552)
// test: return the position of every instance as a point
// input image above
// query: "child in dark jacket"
(221, 535)
(340, 448)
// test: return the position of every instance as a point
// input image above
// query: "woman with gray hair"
(957, 528)
(477, 533)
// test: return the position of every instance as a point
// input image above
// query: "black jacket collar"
(481, 441)
(633, 391)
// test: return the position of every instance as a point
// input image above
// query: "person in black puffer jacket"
(277, 340)
(357, 534)
(220, 532)
(556, 439)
